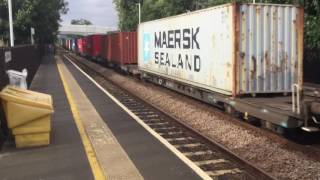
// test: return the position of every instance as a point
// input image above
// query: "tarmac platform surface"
(64, 158)
(122, 147)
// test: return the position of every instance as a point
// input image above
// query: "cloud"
(99, 12)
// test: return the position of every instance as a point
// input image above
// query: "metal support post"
(11, 23)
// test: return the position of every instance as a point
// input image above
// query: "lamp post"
(139, 7)
(32, 32)
(10, 23)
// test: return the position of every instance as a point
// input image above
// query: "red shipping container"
(122, 48)
(104, 50)
(66, 44)
(80, 45)
(96, 45)
(113, 46)
(69, 44)
(86, 45)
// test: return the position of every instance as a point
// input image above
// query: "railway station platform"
(91, 138)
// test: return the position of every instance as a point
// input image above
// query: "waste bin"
(18, 79)
(28, 115)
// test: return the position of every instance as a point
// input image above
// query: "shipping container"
(80, 46)
(233, 49)
(122, 48)
(97, 44)
(67, 44)
(86, 46)
(104, 51)
(74, 46)
(112, 47)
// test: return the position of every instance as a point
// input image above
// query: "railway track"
(211, 157)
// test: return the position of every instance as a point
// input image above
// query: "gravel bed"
(273, 156)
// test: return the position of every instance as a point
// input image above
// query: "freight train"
(244, 58)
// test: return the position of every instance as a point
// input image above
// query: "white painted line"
(181, 156)
(215, 161)
(222, 172)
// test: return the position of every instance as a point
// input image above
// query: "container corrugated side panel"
(123, 43)
(104, 50)
(126, 48)
(268, 45)
(118, 44)
(90, 45)
(212, 63)
(129, 48)
(97, 45)
(109, 50)
(84, 46)
(135, 48)
(79, 41)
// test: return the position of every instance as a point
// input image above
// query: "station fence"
(17, 58)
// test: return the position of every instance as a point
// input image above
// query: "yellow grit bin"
(28, 115)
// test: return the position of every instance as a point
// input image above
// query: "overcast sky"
(99, 12)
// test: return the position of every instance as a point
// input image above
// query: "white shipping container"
(233, 49)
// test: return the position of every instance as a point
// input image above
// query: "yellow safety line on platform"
(95, 166)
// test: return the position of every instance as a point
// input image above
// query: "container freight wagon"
(226, 55)
(86, 46)
(89, 46)
(65, 43)
(97, 45)
(74, 46)
(80, 46)
(122, 49)
(69, 44)
(231, 49)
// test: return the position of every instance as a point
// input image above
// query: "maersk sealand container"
(233, 49)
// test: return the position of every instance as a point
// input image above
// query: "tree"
(44, 16)
(127, 13)
(80, 22)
